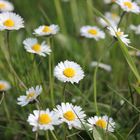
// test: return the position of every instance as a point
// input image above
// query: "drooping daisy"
(103, 122)
(43, 120)
(128, 6)
(136, 29)
(111, 17)
(10, 21)
(117, 32)
(33, 46)
(31, 95)
(106, 67)
(92, 32)
(46, 30)
(68, 71)
(4, 86)
(6, 6)
(70, 114)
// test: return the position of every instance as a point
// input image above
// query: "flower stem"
(51, 76)
(63, 92)
(54, 136)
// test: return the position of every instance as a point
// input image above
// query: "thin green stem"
(2, 97)
(60, 15)
(50, 75)
(6, 109)
(54, 136)
(63, 92)
(36, 135)
(95, 77)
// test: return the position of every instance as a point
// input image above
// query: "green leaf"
(96, 134)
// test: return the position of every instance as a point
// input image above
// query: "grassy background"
(69, 45)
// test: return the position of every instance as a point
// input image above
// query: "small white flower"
(43, 120)
(31, 95)
(128, 6)
(117, 32)
(70, 114)
(10, 21)
(103, 122)
(111, 17)
(68, 71)
(101, 65)
(92, 32)
(4, 85)
(134, 53)
(46, 30)
(6, 6)
(136, 29)
(32, 46)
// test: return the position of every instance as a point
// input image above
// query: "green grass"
(110, 88)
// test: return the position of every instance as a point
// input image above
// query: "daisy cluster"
(67, 113)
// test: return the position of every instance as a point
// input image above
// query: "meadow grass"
(99, 93)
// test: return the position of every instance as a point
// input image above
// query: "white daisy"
(43, 120)
(46, 30)
(6, 6)
(70, 114)
(136, 29)
(111, 17)
(31, 95)
(10, 21)
(103, 122)
(128, 6)
(4, 85)
(68, 71)
(92, 32)
(106, 67)
(117, 32)
(32, 46)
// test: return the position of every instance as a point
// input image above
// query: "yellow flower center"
(44, 119)
(2, 86)
(101, 123)
(69, 72)
(9, 23)
(36, 47)
(128, 4)
(93, 31)
(47, 29)
(119, 33)
(2, 5)
(30, 95)
(69, 115)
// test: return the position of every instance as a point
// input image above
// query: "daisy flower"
(103, 122)
(101, 65)
(136, 29)
(43, 120)
(117, 32)
(92, 32)
(46, 30)
(70, 114)
(10, 21)
(111, 17)
(4, 86)
(68, 71)
(128, 6)
(32, 46)
(31, 95)
(6, 6)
